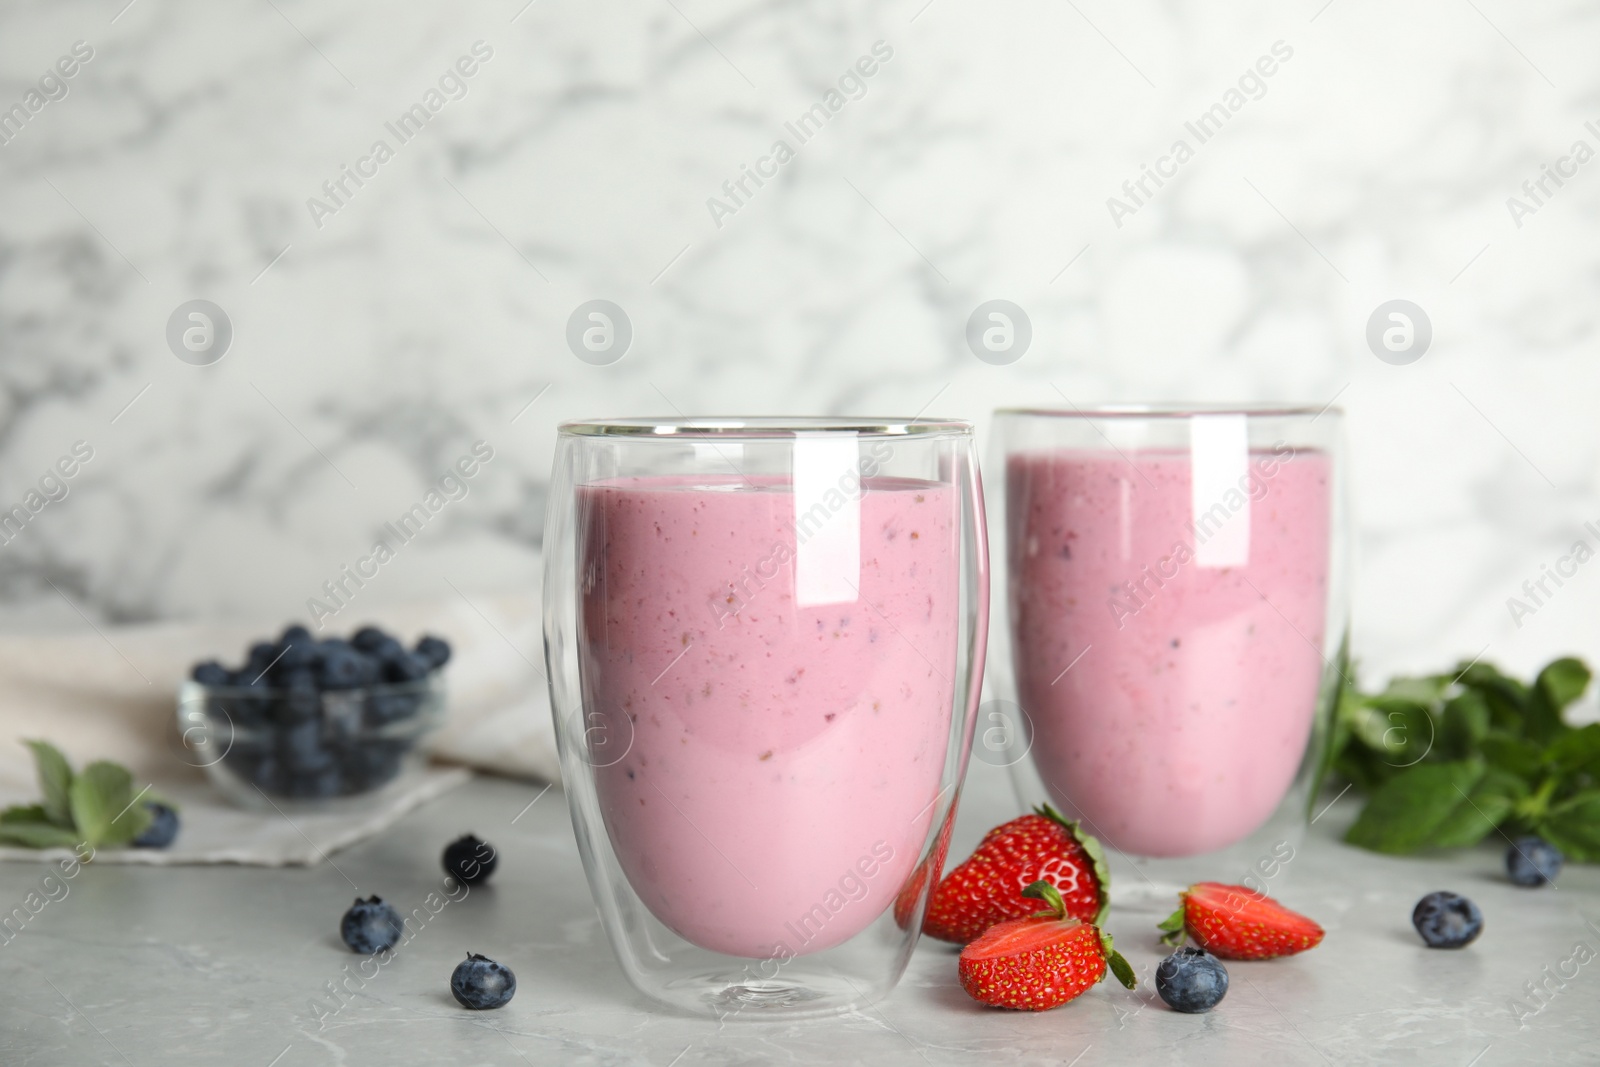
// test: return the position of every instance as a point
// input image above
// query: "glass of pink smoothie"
(765, 642)
(1176, 608)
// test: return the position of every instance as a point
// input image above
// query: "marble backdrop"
(390, 308)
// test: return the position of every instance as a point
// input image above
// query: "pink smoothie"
(1181, 727)
(785, 756)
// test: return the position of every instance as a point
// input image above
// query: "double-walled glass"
(765, 641)
(1176, 595)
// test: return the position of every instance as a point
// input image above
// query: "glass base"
(728, 995)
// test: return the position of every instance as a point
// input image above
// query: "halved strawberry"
(1039, 962)
(1237, 923)
(988, 887)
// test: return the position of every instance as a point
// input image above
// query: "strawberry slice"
(1042, 961)
(1237, 923)
(988, 887)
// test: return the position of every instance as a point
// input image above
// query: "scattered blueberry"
(1533, 861)
(480, 983)
(1192, 980)
(435, 650)
(371, 925)
(470, 860)
(1447, 920)
(162, 829)
(211, 673)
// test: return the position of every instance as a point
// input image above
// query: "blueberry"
(162, 829)
(407, 667)
(211, 673)
(369, 638)
(372, 763)
(343, 667)
(301, 747)
(435, 650)
(301, 700)
(469, 859)
(318, 784)
(371, 925)
(1192, 980)
(1533, 861)
(387, 707)
(480, 983)
(265, 772)
(295, 635)
(1447, 920)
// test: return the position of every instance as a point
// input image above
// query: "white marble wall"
(430, 308)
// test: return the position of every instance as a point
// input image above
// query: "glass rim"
(760, 427)
(1177, 411)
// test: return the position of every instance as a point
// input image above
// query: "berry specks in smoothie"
(766, 755)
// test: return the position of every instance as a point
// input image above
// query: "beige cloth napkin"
(111, 693)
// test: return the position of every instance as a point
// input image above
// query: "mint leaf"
(25, 813)
(1508, 699)
(1409, 811)
(36, 835)
(1463, 725)
(1563, 681)
(1513, 754)
(55, 781)
(1486, 806)
(1574, 751)
(103, 805)
(1574, 826)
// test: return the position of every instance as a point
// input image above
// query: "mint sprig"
(1449, 758)
(96, 808)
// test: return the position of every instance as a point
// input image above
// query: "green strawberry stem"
(1091, 848)
(1116, 964)
(1172, 928)
(1042, 890)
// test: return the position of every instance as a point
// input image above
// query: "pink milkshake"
(1182, 725)
(787, 745)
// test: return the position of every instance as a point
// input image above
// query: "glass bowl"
(265, 747)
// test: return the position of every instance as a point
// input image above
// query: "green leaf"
(103, 806)
(1574, 826)
(36, 835)
(1172, 931)
(1513, 754)
(25, 813)
(1575, 750)
(1408, 812)
(1464, 723)
(1490, 803)
(1508, 699)
(55, 781)
(1563, 681)
(1117, 965)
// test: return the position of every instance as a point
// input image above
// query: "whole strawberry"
(1236, 923)
(988, 887)
(905, 903)
(1039, 962)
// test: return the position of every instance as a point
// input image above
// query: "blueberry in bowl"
(311, 722)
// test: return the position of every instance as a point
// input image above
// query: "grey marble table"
(233, 965)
